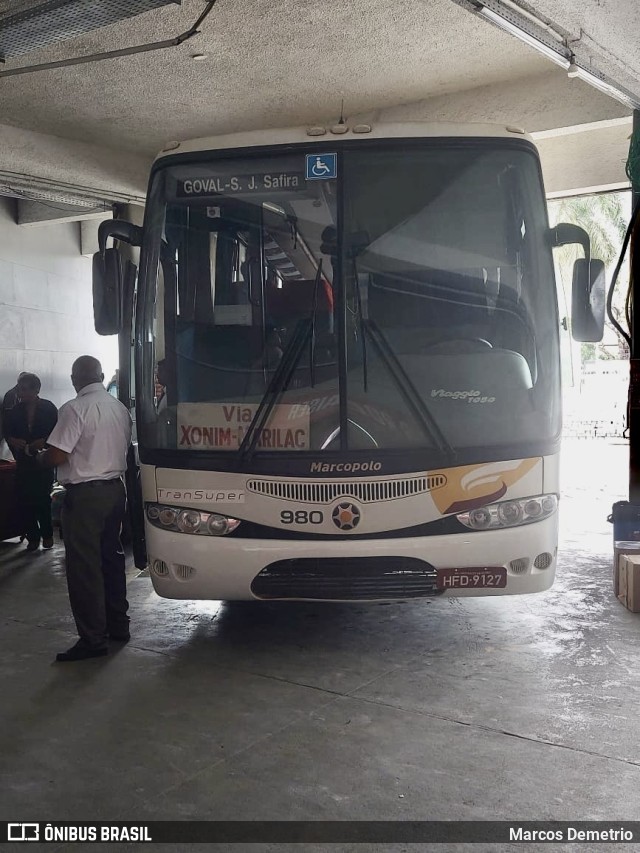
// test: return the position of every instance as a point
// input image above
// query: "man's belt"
(92, 483)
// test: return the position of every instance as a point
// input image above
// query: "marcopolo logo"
(469, 396)
(23, 832)
(344, 467)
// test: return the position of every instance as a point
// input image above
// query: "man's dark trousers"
(34, 493)
(91, 519)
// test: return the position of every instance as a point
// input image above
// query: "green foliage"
(587, 352)
(633, 160)
(602, 216)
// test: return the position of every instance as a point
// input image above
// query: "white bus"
(346, 363)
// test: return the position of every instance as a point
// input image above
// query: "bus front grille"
(324, 492)
(347, 578)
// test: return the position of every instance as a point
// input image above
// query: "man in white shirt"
(89, 447)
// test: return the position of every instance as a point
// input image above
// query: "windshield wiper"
(278, 385)
(363, 334)
(312, 355)
(409, 391)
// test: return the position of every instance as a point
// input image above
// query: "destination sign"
(261, 182)
(223, 426)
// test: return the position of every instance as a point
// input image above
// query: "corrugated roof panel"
(55, 20)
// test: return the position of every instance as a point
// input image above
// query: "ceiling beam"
(586, 161)
(32, 212)
(41, 162)
(545, 102)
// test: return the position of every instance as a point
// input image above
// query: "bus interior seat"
(215, 362)
(294, 300)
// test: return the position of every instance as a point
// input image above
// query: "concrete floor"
(506, 708)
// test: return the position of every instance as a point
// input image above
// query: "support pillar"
(634, 373)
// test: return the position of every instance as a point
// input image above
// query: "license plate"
(480, 578)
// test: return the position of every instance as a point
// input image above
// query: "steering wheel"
(363, 433)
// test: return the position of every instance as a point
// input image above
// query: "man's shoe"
(47, 543)
(33, 546)
(81, 652)
(120, 638)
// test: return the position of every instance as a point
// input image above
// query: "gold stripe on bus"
(470, 486)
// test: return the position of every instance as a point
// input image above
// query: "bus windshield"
(392, 296)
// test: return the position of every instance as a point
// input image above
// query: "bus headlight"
(167, 516)
(509, 513)
(480, 518)
(219, 525)
(189, 521)
(192, 521)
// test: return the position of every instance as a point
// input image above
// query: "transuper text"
(202, 495)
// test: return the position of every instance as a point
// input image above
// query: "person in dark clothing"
(27, 428)
(9, 400)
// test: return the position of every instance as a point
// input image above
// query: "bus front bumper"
(231, 568)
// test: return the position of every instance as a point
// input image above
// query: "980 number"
(301, 516)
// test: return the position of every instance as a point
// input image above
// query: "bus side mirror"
(108, 275)
(107, 292)
(587, 300)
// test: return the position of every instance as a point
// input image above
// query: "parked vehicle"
(356, 338)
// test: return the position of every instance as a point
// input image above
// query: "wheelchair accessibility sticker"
(321, 167)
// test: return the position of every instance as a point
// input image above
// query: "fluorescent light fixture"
(608, 88)
(562, 57)
(524, 36)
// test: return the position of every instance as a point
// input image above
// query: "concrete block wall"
(46, 312)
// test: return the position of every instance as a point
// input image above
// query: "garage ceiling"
(267, 65)
(286, 62)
